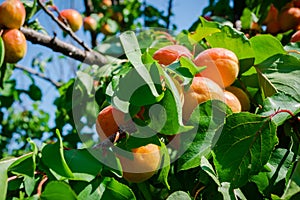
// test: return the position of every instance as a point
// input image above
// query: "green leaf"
(164, 118)
(186, 63)
(35, 92)
(133, 89)
(207, 119)
(4, 165)
(53, 157)
(265, 46)
(83, 164)
(57, 190)
(116, 190)
(86, 80)
(244, 147)
(282, 73)
(2, 51)
(134, 55)
(165, 166)
(208, 168)
(204, 29)
(279, 101)
(25, 165)
(179, 195)
(279, 164)
(29, 183)
(230, 38)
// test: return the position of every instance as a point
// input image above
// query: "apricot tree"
(206, 113)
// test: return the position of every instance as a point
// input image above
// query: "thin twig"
(40, 186)
(89, 57)
(38, 74)
(67, 29)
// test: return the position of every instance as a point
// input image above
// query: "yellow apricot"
(12, 14)
(73, 18)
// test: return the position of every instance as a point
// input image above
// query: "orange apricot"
(232, 101)
(202, 89)
(89, 23)
(144, 164)
(222, 65)
(14, 44)
(73, 18)
(272, 15)
(12, 14)
(273, 27)
(289, 18)
(242, 97)
(295, 37)
(169, 54)
(106, 29)
(108, 121)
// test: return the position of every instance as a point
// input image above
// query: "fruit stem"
(293, 51)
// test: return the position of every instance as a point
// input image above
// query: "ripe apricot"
(295, 37)
(117, 16)
(169, 54)
(222, 65)
(108, 121)
(106, 3)
(106, 29)
(145, 162)
(273, 27)
(202, 89)
(232, 101)
(12, 14)
(89, 23)
(289, 18)
(242, 97)
(14, 44)
(272, 15)
(73, 18)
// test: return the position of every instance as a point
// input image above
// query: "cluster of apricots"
(90, 23)
(213, 83)
(12, 17)
(287, 18)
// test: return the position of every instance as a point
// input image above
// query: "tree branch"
(40, 75)
(67, 29)
(88, 57)
(169, 13)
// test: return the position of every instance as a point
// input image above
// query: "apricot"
(295, 37)
(232, 101)
(106, 29)
(89, 24)
(108, 121)
(273, 27)
(14, 44)
(201, 90)
(169, 54)
(289, 18)
(222, 65)
(144, 164)
(106, 3)
(12, 14)
(242, 97)
(117, 16)
(73, 18)
(272, 15)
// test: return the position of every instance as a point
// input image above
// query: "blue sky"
(185, 13)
